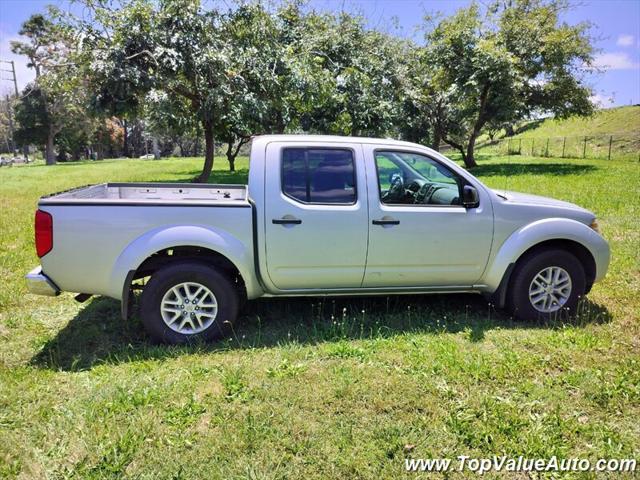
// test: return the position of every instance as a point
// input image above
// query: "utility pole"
(25, 148)
(12, 145)
(13, 74)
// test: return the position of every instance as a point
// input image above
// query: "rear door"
(316, 218)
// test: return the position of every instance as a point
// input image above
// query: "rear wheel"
(546, 285)
(187, 302)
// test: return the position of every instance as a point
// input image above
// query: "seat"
(332, 181)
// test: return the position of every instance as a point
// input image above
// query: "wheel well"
(575, 248)
(190, 253)
(580, 251)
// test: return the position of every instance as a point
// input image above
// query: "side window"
(413, 179)
(319, 175)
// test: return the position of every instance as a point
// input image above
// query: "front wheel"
(546, 285)
(188, 301)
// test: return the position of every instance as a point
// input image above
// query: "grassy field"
(317, 388)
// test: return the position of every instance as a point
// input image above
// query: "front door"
(316, 222)
(420, 235)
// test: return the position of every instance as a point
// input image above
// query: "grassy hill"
(620, 126)
(624, 121)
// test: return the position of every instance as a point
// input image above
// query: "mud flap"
(126, 295)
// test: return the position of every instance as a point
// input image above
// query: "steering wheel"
(396, 190)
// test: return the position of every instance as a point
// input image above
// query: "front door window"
(414, 179)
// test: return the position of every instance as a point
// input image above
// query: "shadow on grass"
(508, 169)
(97, 335)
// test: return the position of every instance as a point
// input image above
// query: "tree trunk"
(156, 149)
(231, 157)
(232, 153)
(196, 144)
(435, 144)
(458, 147)
(125, 139)
(208, 153)
(469, 158)
(49, 150)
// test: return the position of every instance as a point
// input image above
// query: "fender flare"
(538, 232)
(169, 236)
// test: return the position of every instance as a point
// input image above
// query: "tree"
(6, 125)
(424, 109)
(59, 87)
(32, 118)
(175, 47)
(107, 137)
(514, 61)
(254, 93)
(170, 119)
(337, 88)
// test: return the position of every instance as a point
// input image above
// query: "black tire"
(166, 278)
(528, 267)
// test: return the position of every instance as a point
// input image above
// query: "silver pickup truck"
(321, 216)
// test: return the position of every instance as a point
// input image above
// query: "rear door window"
(319, 175)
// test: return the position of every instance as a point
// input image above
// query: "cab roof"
(264, 139)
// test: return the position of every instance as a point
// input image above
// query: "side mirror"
(470, 197)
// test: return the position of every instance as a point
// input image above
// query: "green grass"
(555, 137)
(317, 388)
(609, 121)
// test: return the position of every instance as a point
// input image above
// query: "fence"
(618, 147)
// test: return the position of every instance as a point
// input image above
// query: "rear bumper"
(39, 284)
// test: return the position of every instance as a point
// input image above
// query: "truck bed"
(151, 194)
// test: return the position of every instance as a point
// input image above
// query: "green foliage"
(169, 117)
(175, 47)
(41, 33)
(252, 102)
(32, 118)
(244, 71)
(59, 82)
(341, 89)
(501, 67)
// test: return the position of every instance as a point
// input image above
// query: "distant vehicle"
(320, 216)
(148, 156)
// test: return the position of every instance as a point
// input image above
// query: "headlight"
(594, 225)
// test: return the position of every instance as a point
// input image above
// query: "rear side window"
(319, 175)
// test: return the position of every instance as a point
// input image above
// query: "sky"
(616, 29)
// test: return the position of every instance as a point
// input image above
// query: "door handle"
(286, 221)
(386, 222)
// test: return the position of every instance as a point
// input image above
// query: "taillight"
(44, 233)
